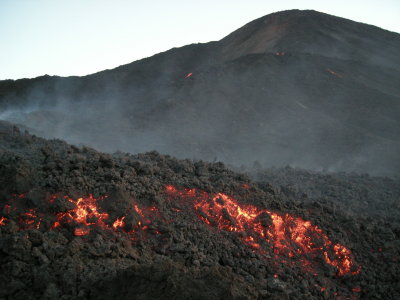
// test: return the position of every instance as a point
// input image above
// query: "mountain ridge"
(219, 100)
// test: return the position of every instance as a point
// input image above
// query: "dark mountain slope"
(316, 33)
(295, 87)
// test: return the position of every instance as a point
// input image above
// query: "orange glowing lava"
(81, 231)
(85, 213)
(84, 216)
(28, 219)
(289, 236)
(119, 223)
(3, 221)
(334, 73)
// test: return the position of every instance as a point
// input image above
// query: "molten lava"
(119, 223)
(27, 219)
(334, 73)
(81, 231)
(289, 236)
(84, 216)
(189, 75)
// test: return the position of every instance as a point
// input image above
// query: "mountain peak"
(310, 31)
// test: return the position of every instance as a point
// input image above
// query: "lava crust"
(79, 224)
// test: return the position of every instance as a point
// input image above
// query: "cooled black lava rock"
(176, 255)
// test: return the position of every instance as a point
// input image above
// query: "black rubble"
(178, 256)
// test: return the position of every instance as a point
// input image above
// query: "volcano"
(294, 89)
(298, 88)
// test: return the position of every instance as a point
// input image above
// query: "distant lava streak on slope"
(334, 73)
(290, 236)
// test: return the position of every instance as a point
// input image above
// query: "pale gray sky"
(79, 37)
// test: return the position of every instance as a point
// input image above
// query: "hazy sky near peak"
(79, 37)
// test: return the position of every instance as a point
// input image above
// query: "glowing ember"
(245, 186)
(27, 220)
(2, 221)
(285, 235)
(81, 231)
(84, 215)
(189, 75)
(289, 236)
(119, 223)
(334, 73)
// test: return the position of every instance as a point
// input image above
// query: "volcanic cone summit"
(298, 88)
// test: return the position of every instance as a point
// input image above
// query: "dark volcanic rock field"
(364, 195)
(80, 224)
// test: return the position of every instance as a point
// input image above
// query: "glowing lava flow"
(28, 219)
(288, 235)
(84, 214)
(334, 73)
(82, 217)
(119, 223)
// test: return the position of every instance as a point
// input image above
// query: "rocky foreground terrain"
(76, 223)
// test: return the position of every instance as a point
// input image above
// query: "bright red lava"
(84, 214)
(289, 236)
(83, 217)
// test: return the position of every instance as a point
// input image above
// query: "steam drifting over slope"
(297, 87)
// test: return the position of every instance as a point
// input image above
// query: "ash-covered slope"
(315, 33)
(79, 224)
(296, 87)
(363, 195)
